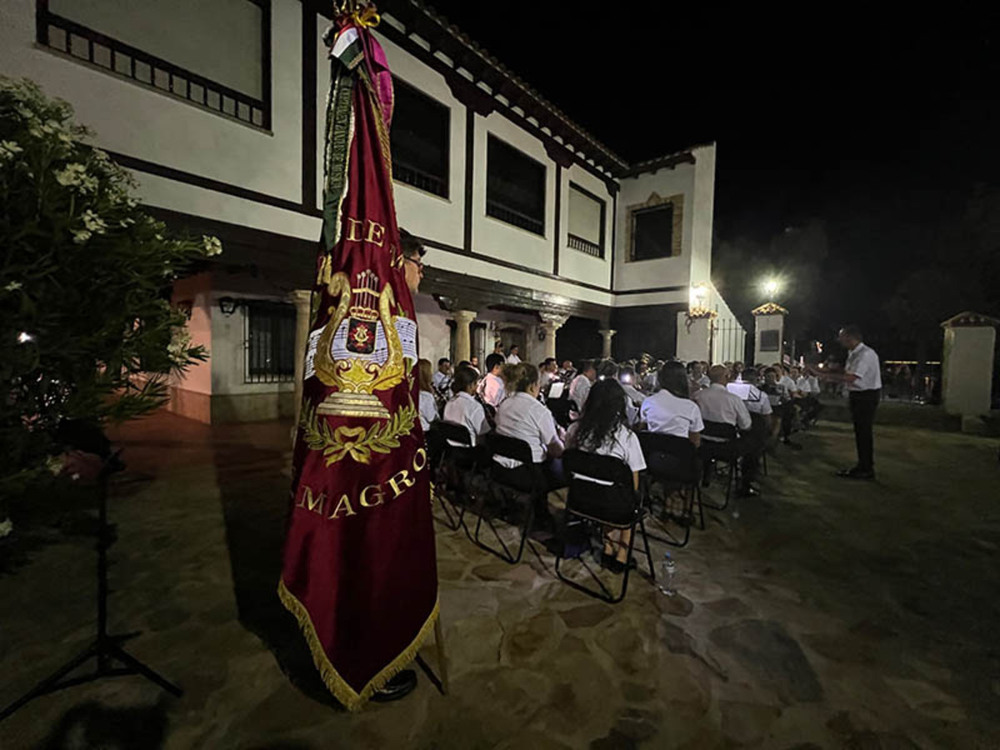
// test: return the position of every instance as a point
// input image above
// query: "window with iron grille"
(270, 337)
(420, 140)
(586, 222)
(515, 187)
(216, 55)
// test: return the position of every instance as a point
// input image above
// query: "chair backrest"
(509, 447)
(456, 433)
(719, 431)
(560, 408)
(613, 500)
(669, 457)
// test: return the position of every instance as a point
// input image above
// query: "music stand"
(105, 648)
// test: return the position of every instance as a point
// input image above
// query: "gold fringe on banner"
(351, 700)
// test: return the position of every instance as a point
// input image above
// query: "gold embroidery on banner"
(356, 442)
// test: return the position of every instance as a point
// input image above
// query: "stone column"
(302, 299)
(463, 340)
(608, 334)
(551, 322)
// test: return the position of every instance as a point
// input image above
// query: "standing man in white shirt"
(579, 389)
(863, 377)
(512, 355)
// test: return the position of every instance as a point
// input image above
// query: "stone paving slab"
(825, 615)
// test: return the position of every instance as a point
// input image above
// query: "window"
(586, 222)
(420, 140)
(215, 55)
(655, 228)
(769, 341)
(515, 187)
(270, 337)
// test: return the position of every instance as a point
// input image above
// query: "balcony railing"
(518, 219)
(422, 180)
(83, 43)
(585, 246)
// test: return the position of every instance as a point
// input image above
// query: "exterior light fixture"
(771, 287)
(228, 305)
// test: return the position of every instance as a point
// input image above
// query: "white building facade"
(537, 234)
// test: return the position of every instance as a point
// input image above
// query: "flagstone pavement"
(825, 615)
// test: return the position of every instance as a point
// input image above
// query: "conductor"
(863, 377)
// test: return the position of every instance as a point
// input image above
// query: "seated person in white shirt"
(809, 395)
(547, 373)
(427, 407)
(491, 389)
(521, 415)
(788, 408)
(474, 363)
(717, 404)
(580, 387)
(442, 378)
(696, 374)
(603, 429)
(670, 411)
(463, 408)
(512, 355)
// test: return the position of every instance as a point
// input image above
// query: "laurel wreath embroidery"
(357, 442)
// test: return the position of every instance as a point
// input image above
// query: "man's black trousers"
(863, 405)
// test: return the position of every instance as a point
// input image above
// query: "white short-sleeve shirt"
(493, 390)
(526, 418)
(664, 412)
(428, 409)
(863, 362)
(719, 405)
(758, 402)
(463, 409)
(579, 389)
(623, 444)
(513, 359)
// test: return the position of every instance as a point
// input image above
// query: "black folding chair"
(561, 408)
(514, 493)
(616, 505)
(718, 445)
(456, 480)
(672, 463)
(761, 430)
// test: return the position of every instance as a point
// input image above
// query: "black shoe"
(618, 567)
(608, 561)
(397, 687)
(856, 473)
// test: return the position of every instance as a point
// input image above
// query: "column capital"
(552, 321)
(607, 332)
(300, 297)
(464, 316)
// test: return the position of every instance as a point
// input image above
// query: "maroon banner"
(359, 568)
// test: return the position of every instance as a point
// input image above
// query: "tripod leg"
(50, 683)
(442, 659)
(126, 658)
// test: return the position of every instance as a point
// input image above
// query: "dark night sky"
(877, 125)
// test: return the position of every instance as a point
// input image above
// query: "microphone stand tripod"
(106, 649)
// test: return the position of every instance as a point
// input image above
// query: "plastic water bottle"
(668, 569)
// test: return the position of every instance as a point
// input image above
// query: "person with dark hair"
(547, 372)
(580, 386)
(412, 252)
(671, 410)
(491, 389)
(521, 415)
(603, 429)
(628, 377)
(696, 372)
(718, 404)
(463, 408)
(474, 363)
(442, 378)
(863, 377)
(513, 356)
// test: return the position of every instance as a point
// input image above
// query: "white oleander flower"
(6, 528)
(9, 149)
(212, 245)
(93, 222)
(80, 236)
(54, 464)
(72, 175)
(13, 286)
